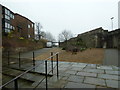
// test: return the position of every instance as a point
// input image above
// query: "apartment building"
(7, 20)
(22, 26)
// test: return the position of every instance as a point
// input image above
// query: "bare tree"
(43, 34)
(49, 37)
(65, 35)
(38, 30)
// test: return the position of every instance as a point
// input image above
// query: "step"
(22, 83)
(27, 76)
(34, 72)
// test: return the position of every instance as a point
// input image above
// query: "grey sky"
(78, 16)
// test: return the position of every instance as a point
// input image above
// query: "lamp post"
(112, 22)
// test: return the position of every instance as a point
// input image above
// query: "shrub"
(21, 38)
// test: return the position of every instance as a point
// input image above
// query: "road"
(30, 53)
(111, 57)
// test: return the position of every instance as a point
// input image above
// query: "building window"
(7, 30)
(13, 16)
(28, 36)
(5, 25)
(32, 25)
(8, 12)
(28, 25)
(5, 11)
(7, 17)
(8, 25)
(13, 28)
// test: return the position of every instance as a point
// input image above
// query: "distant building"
(7, 20)
(22, 26)
(119, 14)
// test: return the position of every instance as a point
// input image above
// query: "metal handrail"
(25, 72)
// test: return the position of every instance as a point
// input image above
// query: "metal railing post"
(19, 60)
(52, 61)
(57, 65)
(8, 58)
(33, 59)
(46, 73)
(16, 84)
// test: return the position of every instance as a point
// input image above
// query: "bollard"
(19, 60)
(16, 84)
(8, 58)
(52, 61)
(33, 59)
(46, 73)
(57, 65)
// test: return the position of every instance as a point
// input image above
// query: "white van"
(49, 44)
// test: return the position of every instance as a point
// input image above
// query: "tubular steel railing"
(15, 80)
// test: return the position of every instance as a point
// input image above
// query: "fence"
(15, 80)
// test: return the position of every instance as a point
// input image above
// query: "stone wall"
(94, 38)
(114, 39)
(99, 38)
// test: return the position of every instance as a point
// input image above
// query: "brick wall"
(23, 26)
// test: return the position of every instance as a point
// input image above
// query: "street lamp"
(112, 22)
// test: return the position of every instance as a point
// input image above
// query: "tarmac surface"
(30, 53)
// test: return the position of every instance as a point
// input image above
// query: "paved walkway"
(111, 57)
(80, 75)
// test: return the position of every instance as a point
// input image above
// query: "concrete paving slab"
(59, 84)
(75, 78)
(79, 65)
(107, 76)
(113, 83)
(78, 85)
(100, 87)
(116, 68)
(71, 72)
(112, 72)
(64, 78)
(105, 67)
(91, 66)
(64, 66)
(77, 68)
(95, 81)
(93, 70)
(64, 74)
(87, 74)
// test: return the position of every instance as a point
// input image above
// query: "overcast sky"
(78, 16)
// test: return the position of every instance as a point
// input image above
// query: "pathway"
(30, 53)
(111, 57)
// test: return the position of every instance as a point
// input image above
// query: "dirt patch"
(94, 56)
